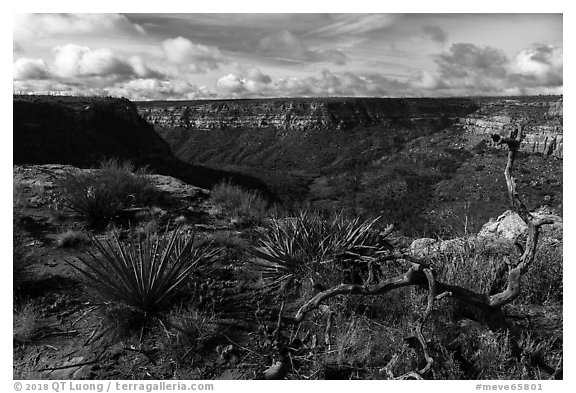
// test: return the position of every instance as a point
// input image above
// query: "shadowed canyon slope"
(83, 131)
(427, 163)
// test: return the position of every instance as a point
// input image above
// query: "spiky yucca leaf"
(308, 244)
(143, 273)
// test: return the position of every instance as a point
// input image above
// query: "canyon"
(541, 120)
(427, 164)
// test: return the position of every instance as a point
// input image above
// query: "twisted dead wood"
(420, 273)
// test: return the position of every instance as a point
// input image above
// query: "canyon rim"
(288, 197)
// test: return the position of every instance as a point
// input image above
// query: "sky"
(194, 56)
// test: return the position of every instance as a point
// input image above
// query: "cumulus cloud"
(153, 89)
(469, 69)
(80, 70)
(538, 64)
(245, 82)
(37, 86)
(328, 83)
(143, 70)
(231, 83)
(285, 45)
(434, 33)
(468, 60)
(136, 89)
(25, 69)
(30, 26)
(427, 81)
(197, 57)
(72, 61)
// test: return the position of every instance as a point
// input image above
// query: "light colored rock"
(427, 247)
(556, 109)
(510, 226)
(496, 236)
(276, 371)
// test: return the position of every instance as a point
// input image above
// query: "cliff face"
(420, 162)
(82, 131)
(297, 114)
(540, 122)
(297, 133)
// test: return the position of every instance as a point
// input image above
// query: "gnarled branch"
(420, 273)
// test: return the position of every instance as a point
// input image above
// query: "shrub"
(143, 273)
(543, 282)
(484, 270)
(70, 238)
(471, 269)
(246, 205)
(101, 194)
(21, 260)
(26, 324)
(19, 198)
(198, 328)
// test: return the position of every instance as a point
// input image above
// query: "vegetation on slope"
(296, 294)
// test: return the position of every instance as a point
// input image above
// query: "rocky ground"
(63, 331)
(63, 334)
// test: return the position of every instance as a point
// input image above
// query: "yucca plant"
(308, 244)
(143, 273)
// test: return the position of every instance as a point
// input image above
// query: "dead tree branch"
(423, 318)
(409, 278)
(420, 273)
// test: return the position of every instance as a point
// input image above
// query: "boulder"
(510, 226)
(496, 236)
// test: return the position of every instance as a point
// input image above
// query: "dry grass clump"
(26, 324)
(543, 283)
(472, 269)
(247, 206)
(21, 259)
(100, 195)
(71, 238)
(197, 328)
